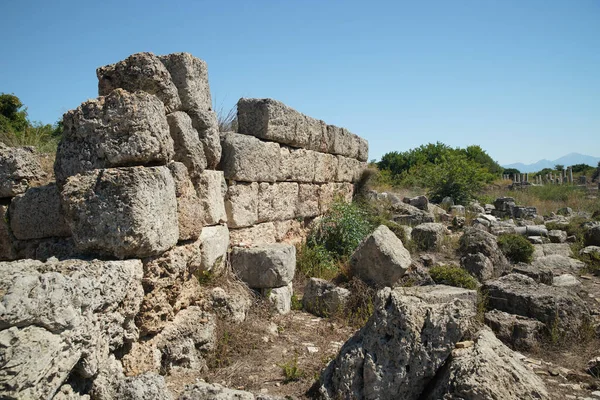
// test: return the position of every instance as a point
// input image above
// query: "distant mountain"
(569, 159)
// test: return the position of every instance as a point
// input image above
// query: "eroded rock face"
(517, 331)
(190, 76)
(190, 213)
(429, 235)
(63, 318)
(477, 245)
(119, 130)
(122, 212)
(187, 146)
(140, 72)
(265, 267)
(324, 298)
(214, 391)
(19, 169)
(380, 259)
(397, 353)
(487, 370)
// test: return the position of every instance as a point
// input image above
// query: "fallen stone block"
(429, 235)
(122, 212)
(323, 298)
(280, 298)
(515, 330)
(266, 266)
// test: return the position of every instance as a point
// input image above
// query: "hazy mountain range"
(569, 159)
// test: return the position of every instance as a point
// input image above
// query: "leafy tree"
(512, 171)
(559, 167)
(577, 168)
(477, 154)
(13, 115)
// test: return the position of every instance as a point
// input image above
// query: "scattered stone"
(476, 241)
(548, 249)
(479, 266)
(264, 267)
(429, 235)
(405, 214)
(280, 298)
(592, 235)
(566, 280)
(421, 202)
(122, 212)
(232, 306)
(19, 170)
(565, 211)
(380, 259)
(516, 331)
(458, 210)
(558, 263)
(323, 298)
(538, 273)
(557, 236)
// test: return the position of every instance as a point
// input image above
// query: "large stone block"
(214, 244)
(248, 159)
(324, 298)
(380, 259)
(272, 120)
(429, 235)
(241, 204)
(348, 170)
(308, 201)
(187, 145)
(122, 212)
(344, 142)
(297, 165)
(259, 234)
(266, 266)
(38, 214)
(326, 168)
(190, 76)
(211, 188)
(190, 213)
(277, 201)
(141, 71)
(119, 130)
(363, 150)
(19, 169)
(330, 192)
(205, 122)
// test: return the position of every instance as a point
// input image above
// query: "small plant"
(316, 262)
(296, 303)
(516, 248)
(360, 306)
(453, 276)
(482, 305)
(291, 371)
(556, 334)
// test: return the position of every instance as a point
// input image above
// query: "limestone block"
(344, 143)
(326, 168)
(211, 189)
(428, 235)
(190, 76)
(329, 192)
(280, 298)
(266, 266)
(290, 231)
(255, 235)
(363, 150)
(122, 212)
(248, 159)
(348, 169)
(324, 298)
(241, 204)
(119, 130)
(297, 165)
(277, 201)
(141, 71)
(187, 145)
(205, 122)
(214, 244)
(19, 169)
(308, 201)
(190, 212)
(37, 214)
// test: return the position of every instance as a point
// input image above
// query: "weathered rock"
(214, 243)
(206, 123)
(539, 273)
(7, 248)
(297, 165)
(232, 305)
(277, 201)
(326, 167)
(122, 212)
(458, 210)
(549, 249)
(119, 130)
(329, 192)
(141, 71)
(61, 317)
(249, 159)
(264, 267)
(19, 170)
(566, 281)
(256, 235)
(557, 236)
(565, 211)
(214, 391)
(380, 259)
(592, 235)
(187, 146)
(324, 298)
(397, 353)
(280, 298)
(405, 214)
(190, 213)
(515, 330)
(478, 265)
(211, 189)
(241, 204)
(521, 295)
(476, 241)
(348, 170)
(190, 76)
(169, 286)
(61, 248)
(290, 231)
(421, 202)
(37, 214)
(429, 235)
(308, 201)
(487, 370)
(558, 264)
(344, 143)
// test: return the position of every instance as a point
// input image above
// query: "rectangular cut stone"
(249, 159)
(363, 149)
(188, 148)
(190, 76)
(308, 201)
(291, 231)
(329, 192)
(37, 214)
(190, 213)
(122, 212)
(277, 202)
(297, 165)
(259, 234)
(265, 266)
(326, 166)
(347, 169)
(211, 189)
(241, 204)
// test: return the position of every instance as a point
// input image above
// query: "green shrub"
(360, 305)
(453, 276)
(316, 262)
(516, 247)
(291, 371)
(341, 229)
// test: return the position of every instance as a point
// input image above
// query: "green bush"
(316, 262)
(453, 276)
(341, 229)
(516, 247)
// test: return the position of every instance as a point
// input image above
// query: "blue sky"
(519, 78)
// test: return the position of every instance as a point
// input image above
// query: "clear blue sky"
(521, 78)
